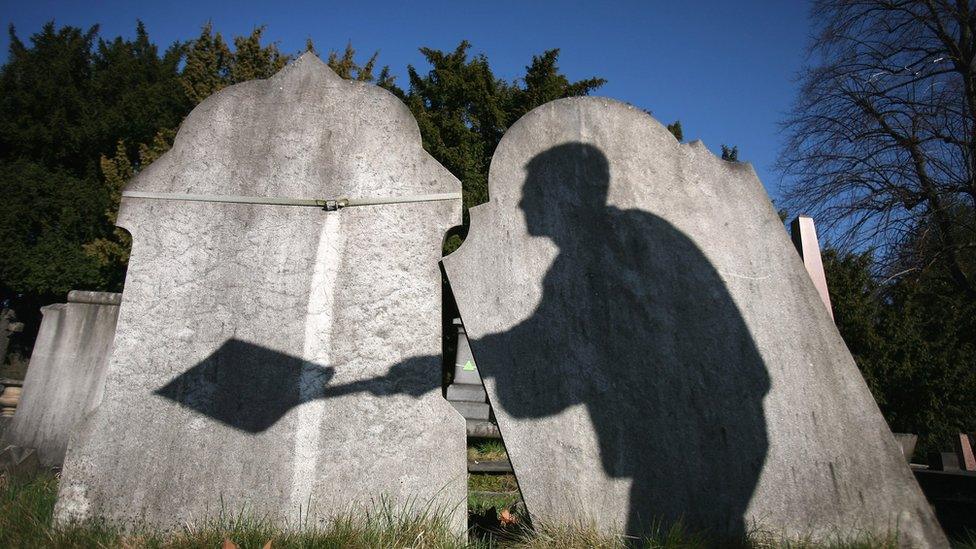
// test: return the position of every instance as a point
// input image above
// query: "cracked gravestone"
(653, 348)
(278, 359)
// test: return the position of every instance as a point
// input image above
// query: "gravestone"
(466, 393)
(66, 373)
(804, 235)
(653, 348)
(8, 327)
(272, 358)
(964, 449)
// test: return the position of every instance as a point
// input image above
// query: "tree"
(882, 138)
(730, 154)
(207, 70)
(251, 60)
(912, 341)
(463, 110)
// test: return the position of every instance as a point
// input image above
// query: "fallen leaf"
(267, 545)
(506, 518)
(228, 544)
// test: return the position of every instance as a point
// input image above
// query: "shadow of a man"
(635, 324)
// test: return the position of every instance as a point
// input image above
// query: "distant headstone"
(275, 359)
(8, 327)
(466, 392)
(19, 462)
(66, 374)
(944, 461)
(804, 234)
(964, 449)
(653, 348)
(907, 442)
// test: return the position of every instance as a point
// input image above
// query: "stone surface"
(804, 235)
(66, 373)
(466, 385)
(272, 359)
(653, 347)
(907, 442)
(19, 462)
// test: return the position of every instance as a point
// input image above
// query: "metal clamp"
(334, 205)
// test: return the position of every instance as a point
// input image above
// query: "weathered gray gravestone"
(653, 348)
(270, 358)
(66, 374)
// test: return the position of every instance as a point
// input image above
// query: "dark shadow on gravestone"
(250, 387)
(635, 324)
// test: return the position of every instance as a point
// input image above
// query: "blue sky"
(725, 69)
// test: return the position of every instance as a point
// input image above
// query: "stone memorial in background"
(8, 327)
(653, 348)
(66, 374)
(274, 358)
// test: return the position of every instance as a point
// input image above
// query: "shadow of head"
(250, 387)
(566, 184)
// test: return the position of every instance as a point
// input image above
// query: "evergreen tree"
(251, 60)
(463, 110)
(208, 62)
(912, 340)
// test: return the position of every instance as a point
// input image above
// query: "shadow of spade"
(250, 387)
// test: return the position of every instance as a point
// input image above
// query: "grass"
(491, 483)
(487, 450)
(26, 510)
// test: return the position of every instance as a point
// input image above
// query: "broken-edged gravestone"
(271, 358)
(654, 350)
(66, 373)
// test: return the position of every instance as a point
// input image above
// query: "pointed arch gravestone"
(272, 357)
(653, 348)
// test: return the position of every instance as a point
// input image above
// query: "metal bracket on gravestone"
(329, 205)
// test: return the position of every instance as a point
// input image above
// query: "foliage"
(675, 129)
(79, 116)
(463, 109)
(347, 67)
(912, 339)
(63, 102)
(730, 154)
(48, 214)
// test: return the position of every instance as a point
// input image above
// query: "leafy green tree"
(208, 62)
(463, 110)
(138, 90)
(251, 60)
(912, 340)
(66, 98)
